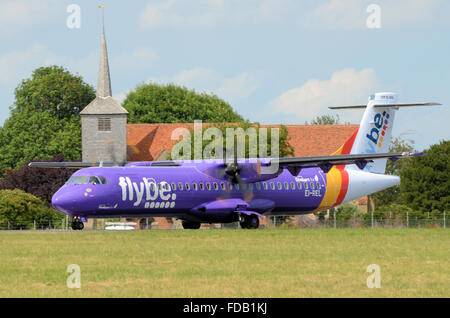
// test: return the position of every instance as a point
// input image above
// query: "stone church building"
(104, 120)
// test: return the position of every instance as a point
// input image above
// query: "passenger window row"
(258, 186)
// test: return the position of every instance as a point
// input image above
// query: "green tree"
(392, 195)
(285, 148)
(425, 182)
(45, 118)
(40, 182)
(20, 209)
(325, 120)
(347, 211)
(31, 135)
(52, 90)
(153, 103)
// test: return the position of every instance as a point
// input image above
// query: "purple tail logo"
(377, 134)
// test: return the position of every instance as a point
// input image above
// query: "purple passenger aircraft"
(221, 192)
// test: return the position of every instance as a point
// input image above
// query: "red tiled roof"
(146, 142)
(318, 140)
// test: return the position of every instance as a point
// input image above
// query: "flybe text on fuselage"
(145, 190)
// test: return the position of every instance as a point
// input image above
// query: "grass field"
(227, 263)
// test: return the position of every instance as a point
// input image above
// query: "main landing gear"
(190, 225)
(249, 221)
(77, 224)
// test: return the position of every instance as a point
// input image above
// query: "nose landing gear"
(77, 224)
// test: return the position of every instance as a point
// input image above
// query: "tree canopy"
(53, 90)
(426, 180)
(247, 137)
(325, 120)
(20, 209)
(40, 182)
(153, 103)
(392, 196)
(45, 118)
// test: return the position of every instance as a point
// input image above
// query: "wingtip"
(413, 154)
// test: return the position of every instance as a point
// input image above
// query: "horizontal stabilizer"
(386, 105)
(408, 105)
(348, 107)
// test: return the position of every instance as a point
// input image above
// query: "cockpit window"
(79, 180)
(94, 180)
(87, 180)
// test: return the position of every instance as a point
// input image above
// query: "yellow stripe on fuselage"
(333, 188)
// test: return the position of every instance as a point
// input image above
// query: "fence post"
(371, 218)
(407, 220)
(334, 217)
(34, 225)
(444, 220)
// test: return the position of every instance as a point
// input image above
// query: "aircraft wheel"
(250, 222)
(190, 225)
(77, 225)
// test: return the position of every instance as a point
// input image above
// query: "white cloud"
(232, 89)
(202, 13)
(313, 98)
(413, 12)
(138, 59)
(199, 78)
(18, 15)
(340, 14)
(352, 14)
(237, 87)
(120, 98)
(317, 15)
(17, 64)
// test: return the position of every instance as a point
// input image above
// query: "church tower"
(104, 121)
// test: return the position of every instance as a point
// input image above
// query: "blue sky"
(274, 61)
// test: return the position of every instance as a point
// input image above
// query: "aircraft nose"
(63, 201)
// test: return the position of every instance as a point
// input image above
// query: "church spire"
(104, 79)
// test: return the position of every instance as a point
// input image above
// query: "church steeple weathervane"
(104, 78)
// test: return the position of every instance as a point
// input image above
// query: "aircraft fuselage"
(186, 192)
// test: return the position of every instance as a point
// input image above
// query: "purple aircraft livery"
(212, 191)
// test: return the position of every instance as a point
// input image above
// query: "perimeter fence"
(365, 222)
(300, 222)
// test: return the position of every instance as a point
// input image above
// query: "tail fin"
(375, 130)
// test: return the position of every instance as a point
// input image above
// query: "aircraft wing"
(249, 172)
(295, 164)
(81, 165)
(73, 165)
